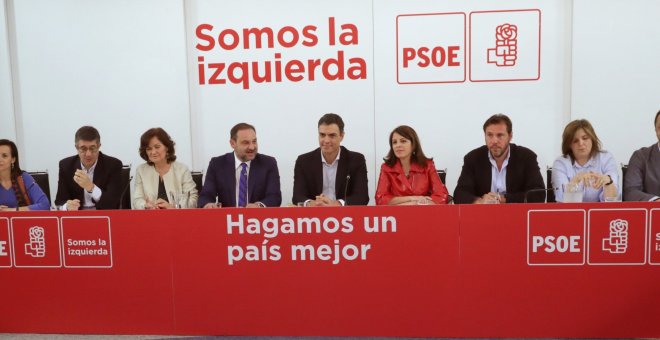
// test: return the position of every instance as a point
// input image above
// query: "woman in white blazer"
(161, 180)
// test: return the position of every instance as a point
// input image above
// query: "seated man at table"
(91, 179)
(331, 175)
(642, 180)
(244, 177)
(500, 171)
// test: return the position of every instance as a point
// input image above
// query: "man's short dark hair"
(88, 133)
(332, 118)
(499, 118)
(655, 121)
(233, 133)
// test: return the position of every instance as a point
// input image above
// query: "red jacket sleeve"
(383, 191)
(439, 193)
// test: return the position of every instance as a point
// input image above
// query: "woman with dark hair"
(18, 190)
(583, 162)
(161, 180)
(408, 177)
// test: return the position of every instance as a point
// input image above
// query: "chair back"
(550, 197)
(41, 178)
(125, 198)
(443, 175)
(624, 168)
(197, 178)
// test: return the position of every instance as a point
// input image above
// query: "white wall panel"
(616, 71)
(117, 65)
(449, 116)
(7, 125)
(285, 113)
(125, 66)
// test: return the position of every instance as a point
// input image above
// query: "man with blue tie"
(242, 178)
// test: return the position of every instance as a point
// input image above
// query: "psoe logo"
(36, 247)
(430, 48)
(556, 237)
(617, 241)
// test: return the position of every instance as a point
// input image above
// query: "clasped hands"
(158, 204)
(415, 200)
(591, 179)
(218, 205)
(491, 198)
(323, 201)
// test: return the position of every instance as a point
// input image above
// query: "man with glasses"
(89, 180)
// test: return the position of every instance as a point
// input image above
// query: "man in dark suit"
(499, 172)
(330, 175)
(89, 180)
(642, 180)
(243, 178)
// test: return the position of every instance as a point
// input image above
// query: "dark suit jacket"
(522, 174)
(642, 180)
(263, 181)
(107, 176)
(308, 177)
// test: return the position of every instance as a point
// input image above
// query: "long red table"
(534, 270)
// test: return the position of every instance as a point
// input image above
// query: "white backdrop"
(616, 72)
(285, 114)
(125, 66)
(117, 65)
(7, 126)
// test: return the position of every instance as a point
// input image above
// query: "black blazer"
(308, 177)
(107, 176)
(522, 174)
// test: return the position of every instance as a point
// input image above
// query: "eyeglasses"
(84, 149)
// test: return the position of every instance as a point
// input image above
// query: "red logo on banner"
(617, 236)
(506, 44)
(5, 258)
(87, 242)
(555, 237)
(654, 240)
(36, 241)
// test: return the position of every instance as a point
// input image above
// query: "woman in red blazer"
(407, 176)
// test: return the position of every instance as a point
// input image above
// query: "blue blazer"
(220, 181)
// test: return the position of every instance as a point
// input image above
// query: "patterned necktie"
(242, 186)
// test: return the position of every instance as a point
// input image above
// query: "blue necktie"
(242, 186)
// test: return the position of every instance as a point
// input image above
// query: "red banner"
(555, 270)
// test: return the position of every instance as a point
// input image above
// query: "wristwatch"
(611, 180)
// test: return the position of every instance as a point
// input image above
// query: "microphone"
(123, 192)
(536, 190)
(348, 179)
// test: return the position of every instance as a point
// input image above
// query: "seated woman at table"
(158, 181)
(584, 162)
(18, 190)
(407, 176)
